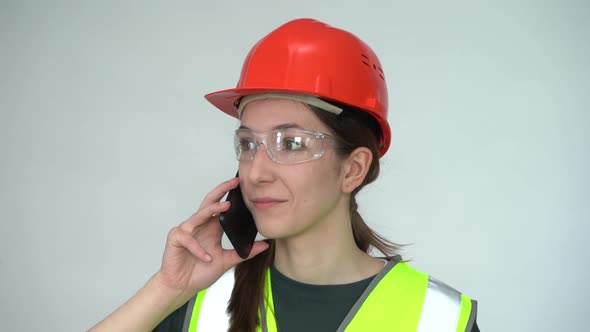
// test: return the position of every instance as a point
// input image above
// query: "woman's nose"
(260, 165)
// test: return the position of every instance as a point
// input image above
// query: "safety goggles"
(283, 146)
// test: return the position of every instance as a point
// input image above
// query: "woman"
(312, 104)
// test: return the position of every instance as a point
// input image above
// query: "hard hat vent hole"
(365, 60)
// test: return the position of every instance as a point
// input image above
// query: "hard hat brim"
(228, 102)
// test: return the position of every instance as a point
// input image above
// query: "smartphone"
(238, 223)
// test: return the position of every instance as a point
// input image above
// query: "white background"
(106, 143)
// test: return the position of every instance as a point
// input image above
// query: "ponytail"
(248, 291)
(366, 238)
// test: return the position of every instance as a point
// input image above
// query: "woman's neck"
(324, 255)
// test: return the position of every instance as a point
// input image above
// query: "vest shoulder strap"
(401, 298)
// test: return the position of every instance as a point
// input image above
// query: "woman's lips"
(265, 203)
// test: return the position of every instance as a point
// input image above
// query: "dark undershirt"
(325, 307)
(304, 307)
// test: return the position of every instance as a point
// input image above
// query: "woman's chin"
(273, 229)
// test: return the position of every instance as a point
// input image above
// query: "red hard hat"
(309, 57)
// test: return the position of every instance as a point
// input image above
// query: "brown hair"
(353, 128)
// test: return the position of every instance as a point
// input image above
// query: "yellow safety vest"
(399, 298)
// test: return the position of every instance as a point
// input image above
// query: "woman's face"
(288, 199)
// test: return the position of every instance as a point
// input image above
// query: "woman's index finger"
(218, 192)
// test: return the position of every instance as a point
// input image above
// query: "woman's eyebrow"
(281, 126)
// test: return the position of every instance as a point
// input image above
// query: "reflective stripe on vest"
(441, 308)
(399, 298)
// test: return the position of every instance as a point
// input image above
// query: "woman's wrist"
(163, 297)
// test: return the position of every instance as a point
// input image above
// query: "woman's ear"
(355, 168)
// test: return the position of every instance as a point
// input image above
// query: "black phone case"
(238, 223)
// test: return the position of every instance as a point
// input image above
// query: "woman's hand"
(194, 258)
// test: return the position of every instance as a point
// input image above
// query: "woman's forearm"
(145, 310)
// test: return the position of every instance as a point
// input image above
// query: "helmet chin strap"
(306, 99)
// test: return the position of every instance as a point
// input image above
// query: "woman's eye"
(247, 144)
(292, 144)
